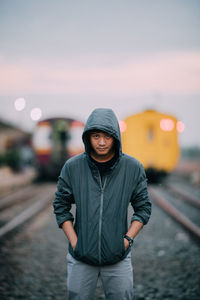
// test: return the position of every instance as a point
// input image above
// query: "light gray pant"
(117, 279)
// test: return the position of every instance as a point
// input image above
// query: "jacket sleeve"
(140, 200)
(64, 198)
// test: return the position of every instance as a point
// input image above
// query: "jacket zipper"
(100, 214)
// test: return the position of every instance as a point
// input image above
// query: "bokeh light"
(180, 126)
(122, 126)
(20, 104)
(36, 114)
(167, 124)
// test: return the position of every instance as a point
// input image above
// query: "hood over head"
(103, 119)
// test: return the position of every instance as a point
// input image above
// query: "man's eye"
(108, 136)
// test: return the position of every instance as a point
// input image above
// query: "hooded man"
(101, 182)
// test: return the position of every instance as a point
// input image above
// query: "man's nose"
(102, 141)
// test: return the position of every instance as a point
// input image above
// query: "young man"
(101, 183)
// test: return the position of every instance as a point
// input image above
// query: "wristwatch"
(130, 240)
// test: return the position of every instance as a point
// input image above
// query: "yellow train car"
(152, 138)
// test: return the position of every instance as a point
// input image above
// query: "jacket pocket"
(76, 250)
(125, 251)
(123, 246)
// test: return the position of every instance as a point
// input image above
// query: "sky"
(69, 57)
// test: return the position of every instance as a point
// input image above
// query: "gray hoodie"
(101, 204)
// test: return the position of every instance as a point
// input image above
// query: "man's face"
(102, 144)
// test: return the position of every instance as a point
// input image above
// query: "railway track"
(184, 195)
(13, 182)
(179, 204)
(22, 205)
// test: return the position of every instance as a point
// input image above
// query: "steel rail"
(26, 214)
(16, 197)
(190, 199)
(174, 212)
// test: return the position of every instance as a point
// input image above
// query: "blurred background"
(59, 60)
(64, 60)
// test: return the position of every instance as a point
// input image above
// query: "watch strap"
(130, 240)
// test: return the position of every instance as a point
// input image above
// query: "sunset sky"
(68, 57)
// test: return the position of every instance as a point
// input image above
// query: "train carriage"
(152, 138)
(54, 141)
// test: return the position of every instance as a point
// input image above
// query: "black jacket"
(101, 205)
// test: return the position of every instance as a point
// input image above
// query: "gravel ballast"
(165, 260)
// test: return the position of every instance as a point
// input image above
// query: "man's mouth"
(101, 149)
